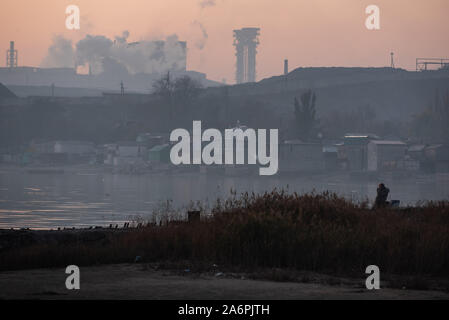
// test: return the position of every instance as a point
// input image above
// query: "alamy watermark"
(373, 280)
(72, 22)
(234, 140)
(372, 22)
(73, 280)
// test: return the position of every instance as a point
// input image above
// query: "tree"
(183, 88)
(185, 94)
(179, 94)
(305, 115)
(431, 124)
(186, 89)
(164, 86)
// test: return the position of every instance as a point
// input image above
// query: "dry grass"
(316, 232)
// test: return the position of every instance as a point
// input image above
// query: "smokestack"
(285, 67)
(11, 56)
(246, 41)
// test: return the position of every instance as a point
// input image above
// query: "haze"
(305, 32)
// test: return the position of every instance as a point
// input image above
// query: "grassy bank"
(316, 232)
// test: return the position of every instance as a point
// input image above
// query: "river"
(88, 198)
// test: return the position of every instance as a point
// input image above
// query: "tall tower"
(245, 42)
(11, 56)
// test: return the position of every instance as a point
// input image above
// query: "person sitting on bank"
(382, 195)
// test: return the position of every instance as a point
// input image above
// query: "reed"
(316, 232)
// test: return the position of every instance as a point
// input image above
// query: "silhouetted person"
(382, 195)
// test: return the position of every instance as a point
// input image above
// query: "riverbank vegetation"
(315, 232)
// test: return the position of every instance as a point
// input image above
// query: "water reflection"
(43, 201)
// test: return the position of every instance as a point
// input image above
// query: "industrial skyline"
(307, 33)
(224, 150)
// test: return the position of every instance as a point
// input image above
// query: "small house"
(74, 147)
(75, 151)
(437, 156)
(159, 154)
(385, 155)
(38, 146)
(355, 150)
(130, 149)
(330, 154)
(417, 152)
(150, 140)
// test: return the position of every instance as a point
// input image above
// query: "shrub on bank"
(317, 232)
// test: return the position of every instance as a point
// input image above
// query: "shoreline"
(274, 231)
(85, 168)
(85, 196)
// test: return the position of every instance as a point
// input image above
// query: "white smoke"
(202, 39)
(101, 53)
(207, 3)
(123, 38)
(151, 56)
(92, 50)
(60, 54)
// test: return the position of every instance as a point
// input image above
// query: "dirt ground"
(136, 281)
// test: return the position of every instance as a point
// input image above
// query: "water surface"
(77, 199)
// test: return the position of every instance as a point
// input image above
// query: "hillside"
(393, 94)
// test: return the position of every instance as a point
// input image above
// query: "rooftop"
(388, 142)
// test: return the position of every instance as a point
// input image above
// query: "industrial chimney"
(245, 42)
(11, 56)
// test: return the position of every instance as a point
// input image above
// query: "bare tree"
(164, 86)
(185, 94)
(178, 94)
(431, 124)
(186, 89)
(305, 115)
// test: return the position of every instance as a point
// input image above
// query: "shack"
(437, 156)
(384, 155)
(159, 154)
(74, 147)
(355, 150)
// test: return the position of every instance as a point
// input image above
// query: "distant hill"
(392, 93)
(5, 93)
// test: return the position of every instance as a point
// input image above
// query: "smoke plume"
(102, 54)
(202, 39)
(60, 54)
(92, 50)
(207, 3)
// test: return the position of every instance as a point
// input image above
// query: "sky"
(310, 33)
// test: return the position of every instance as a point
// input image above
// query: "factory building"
(111, 77)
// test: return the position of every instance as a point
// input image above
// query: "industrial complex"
(113, 72)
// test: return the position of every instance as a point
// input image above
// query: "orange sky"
(308, 33)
